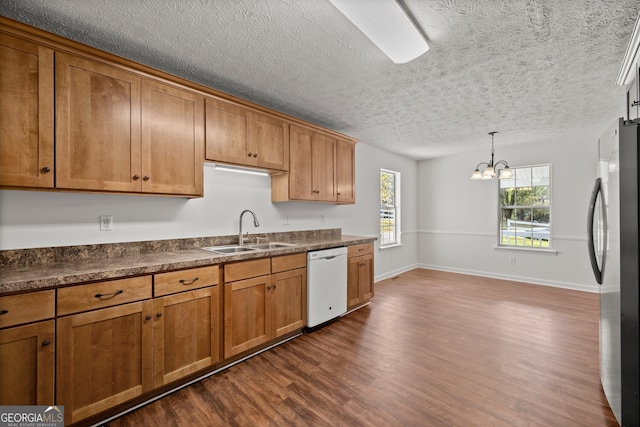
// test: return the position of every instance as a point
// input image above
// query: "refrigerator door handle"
(598, 268)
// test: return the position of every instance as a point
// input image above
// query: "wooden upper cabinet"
(117, 131)
(172, 139)
(300, 179)
(242, 136)
(323, 166)
(269, 139)
(312, 168)
(26, 113)
(345, 172)
(226, 130)
(97, 126)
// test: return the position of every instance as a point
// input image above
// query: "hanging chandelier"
(501, 167)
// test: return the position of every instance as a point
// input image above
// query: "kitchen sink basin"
(272, 245)
(229, 249)
(234, 249)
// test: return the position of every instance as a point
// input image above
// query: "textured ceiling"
(534, 70)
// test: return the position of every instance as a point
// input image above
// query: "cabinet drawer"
(357, 250)
(103, 294)
(288, 262)
(247, 269)
(185, 280)
(25, 308)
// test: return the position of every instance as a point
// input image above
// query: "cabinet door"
(300, 161)
(226, 132)
(268, 141)
(247, 321)
(97, 126)
(353, 282)
(104, 358)
(345, 172)
(27, 364)
(324, 168)
(26, 113)
(365, 277)
(186, 334)
(288, 301)
(359, 280)
(172, 139)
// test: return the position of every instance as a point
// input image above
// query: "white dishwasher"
(326, 285)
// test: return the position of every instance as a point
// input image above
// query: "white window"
(525, 208)
(389, 208)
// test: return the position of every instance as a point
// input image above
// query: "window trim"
(397, 190)
(550, 248)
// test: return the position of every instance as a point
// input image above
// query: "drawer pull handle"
(46, 342)
(189, 282)
(111, 295)
(3, 312)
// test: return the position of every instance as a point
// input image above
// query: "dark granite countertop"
(87, 264)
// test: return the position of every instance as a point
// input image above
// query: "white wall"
(30, 219)
(458, 217)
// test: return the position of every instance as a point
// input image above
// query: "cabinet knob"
(46, 169)
(255, 154)
(46, 342)
(146, 178)
(136, 177)
(249, 154)
(158, 315)
(147, 317)
(3, 312)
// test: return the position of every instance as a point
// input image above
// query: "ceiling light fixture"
(387, 25)
(491, 167)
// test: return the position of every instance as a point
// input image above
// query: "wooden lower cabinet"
(258, 309)
(186, 333)
(27, 348)
(288, 301)
(246, 314)
(104, 358)
(27, 364)
(359, 275)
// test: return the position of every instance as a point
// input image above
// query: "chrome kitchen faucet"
(255, 224)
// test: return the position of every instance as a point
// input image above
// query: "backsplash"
(52, 255)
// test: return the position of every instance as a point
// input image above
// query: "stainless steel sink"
(229, 249)
(272, 245)
(234, 249)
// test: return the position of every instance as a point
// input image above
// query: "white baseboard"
(394, 273)
(564, 285)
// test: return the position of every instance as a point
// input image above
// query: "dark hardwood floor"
(432, 349)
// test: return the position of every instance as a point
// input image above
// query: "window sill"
(542, 251)
(394, 245)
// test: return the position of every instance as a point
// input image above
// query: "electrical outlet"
(106, 223)
(286, 220)
(512, 261)
(323, 218)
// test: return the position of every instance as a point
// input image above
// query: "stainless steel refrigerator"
(613, 250)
